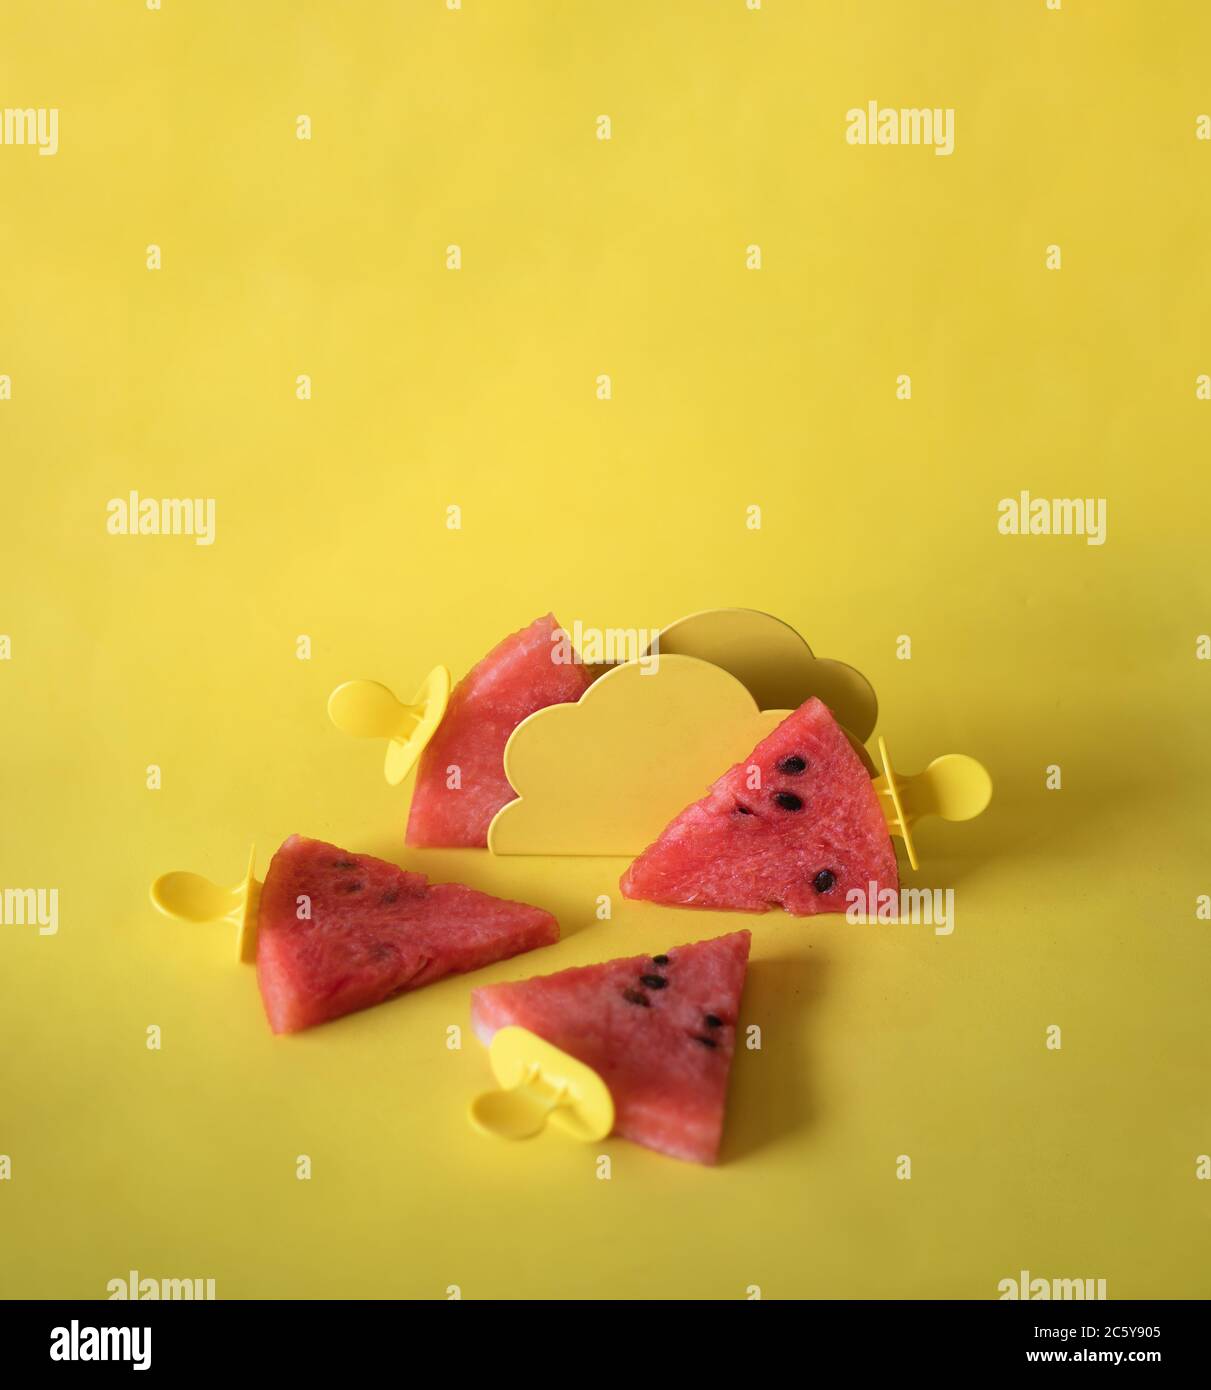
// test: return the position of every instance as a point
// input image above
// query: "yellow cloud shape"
(774, 663)
(607, 774)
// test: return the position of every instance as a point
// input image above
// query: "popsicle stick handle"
(539, 1083)
(192, 898)
(953, 786)
(366, 709)
(522, 1111)
(188, 897)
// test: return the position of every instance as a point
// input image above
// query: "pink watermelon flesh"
(812, 831)
(517, 677)
(659, 1031)
(375, 931)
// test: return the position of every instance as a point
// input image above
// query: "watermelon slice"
(374, 931)
(797, 824)
(658, 1030)
(517, 677)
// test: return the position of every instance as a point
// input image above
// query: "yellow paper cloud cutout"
(607, 774)
(774, 663)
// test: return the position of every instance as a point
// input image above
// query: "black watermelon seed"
(713, 1021)
(706, 1042)
(632, 996)
(390, 896)
(660, 960)
(824, 880)
(353, 887)
(344, 864)
(788, 801)
(793, 765)
(743, 810)
(653, 981)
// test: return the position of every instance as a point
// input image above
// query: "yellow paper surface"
(731, 388)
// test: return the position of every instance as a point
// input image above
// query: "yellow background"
(731, 387)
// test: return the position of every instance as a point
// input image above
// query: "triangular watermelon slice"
(659, 1031)
(797, 824)
(526, 672)
(373, 931)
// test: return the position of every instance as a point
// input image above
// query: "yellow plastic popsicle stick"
(191, 898)
(367, 709)
(953, 786)
(541, 1084)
